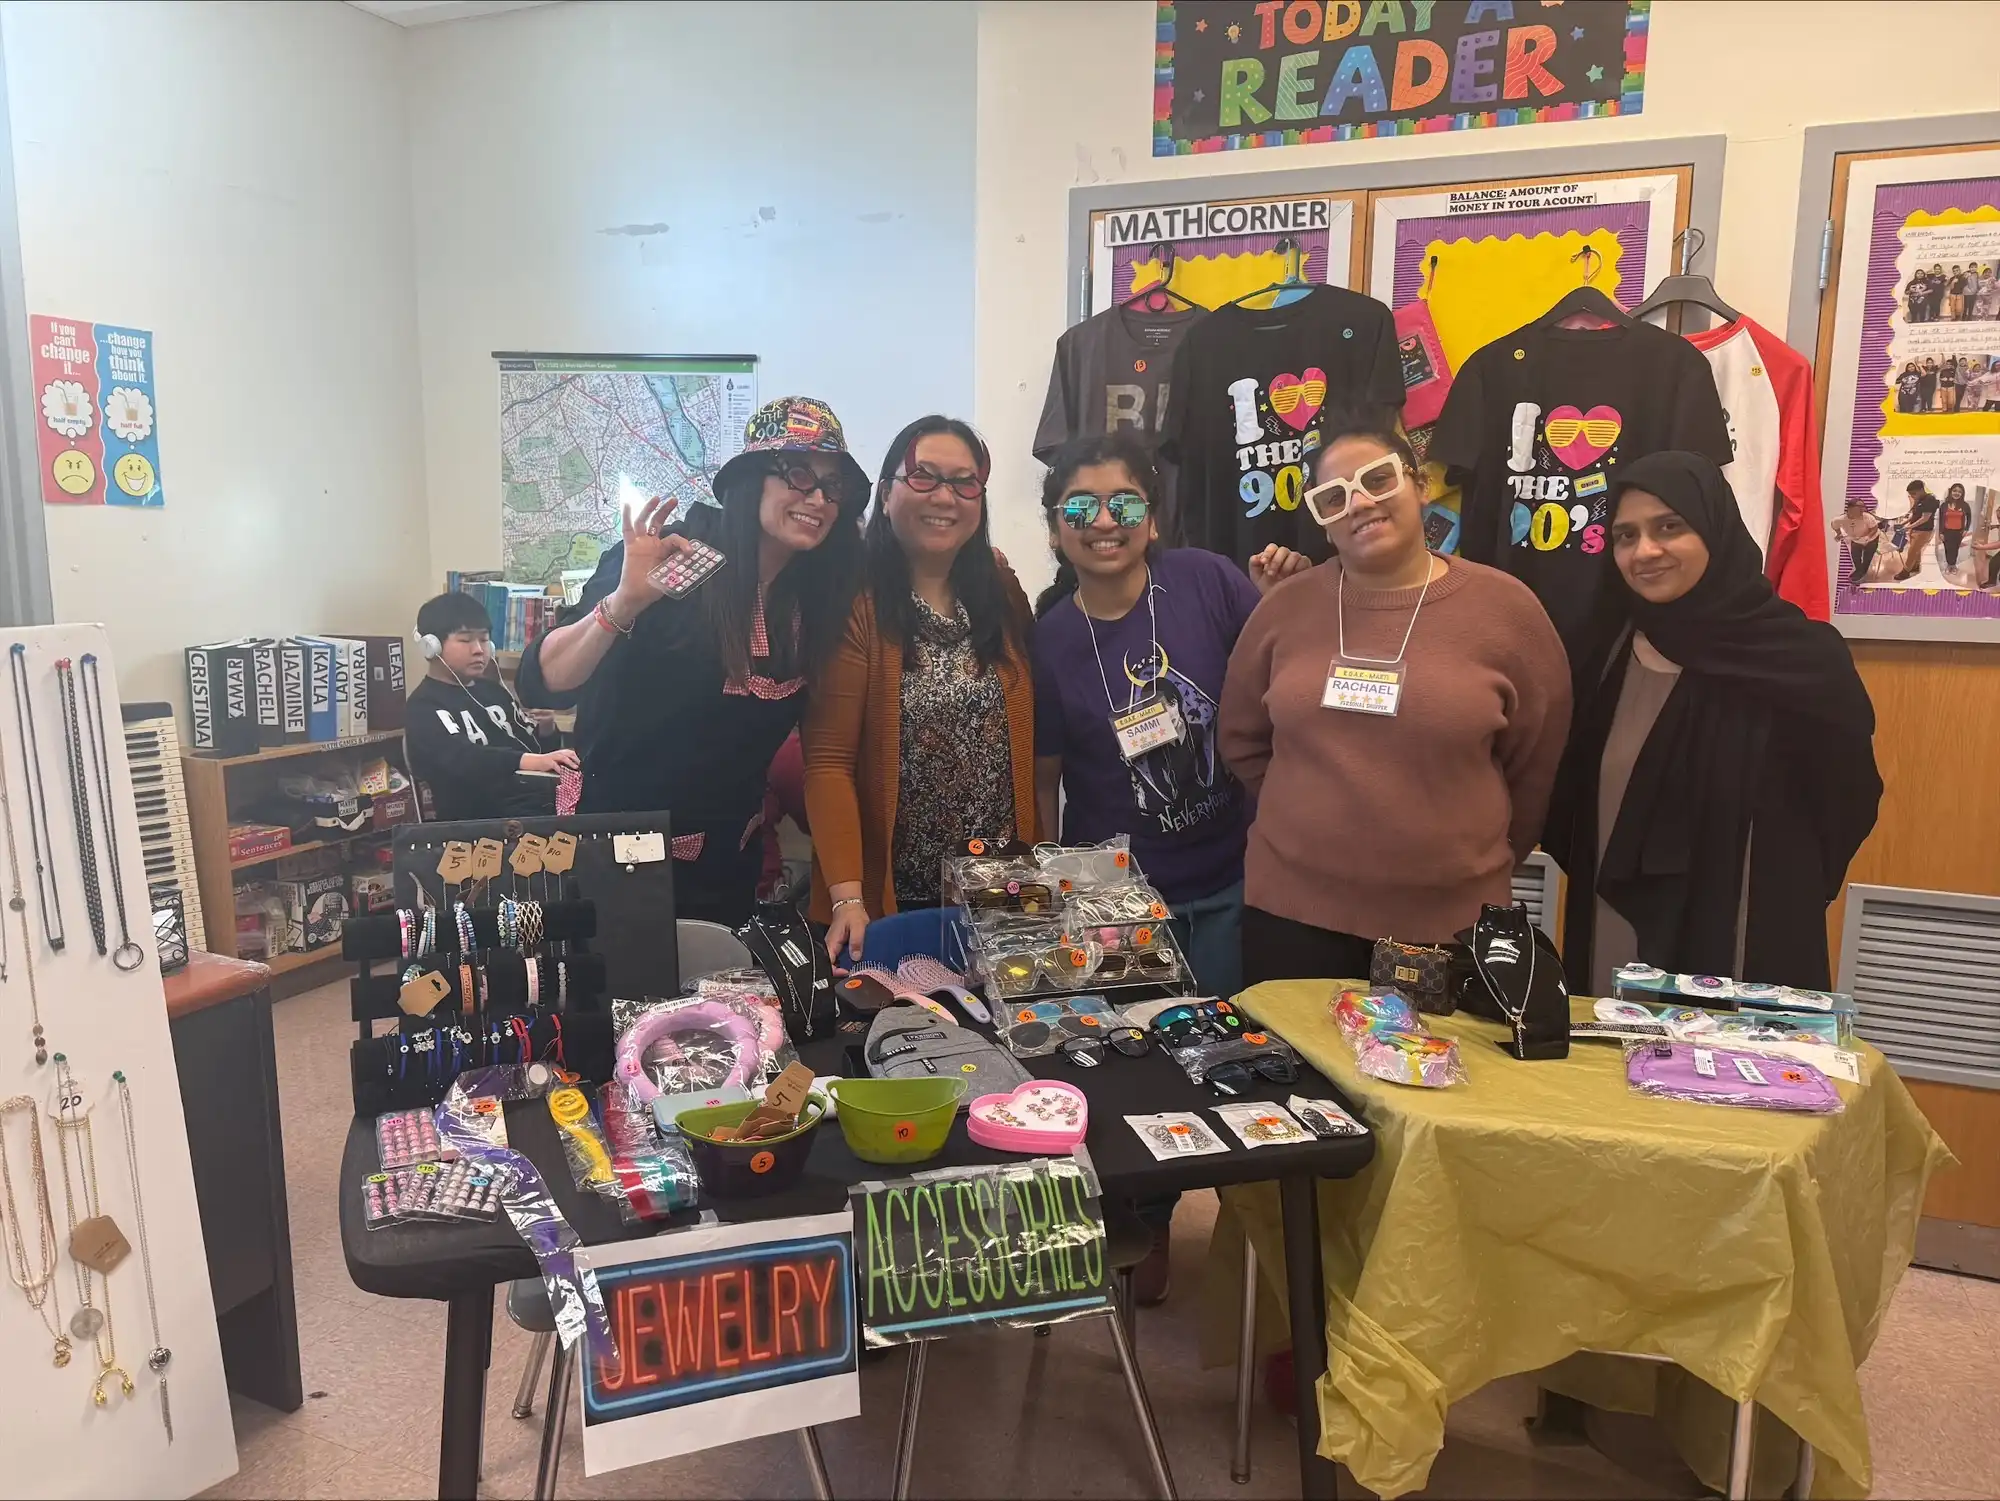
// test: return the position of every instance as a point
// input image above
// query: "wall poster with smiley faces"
(97, 440)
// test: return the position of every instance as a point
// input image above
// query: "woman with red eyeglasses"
(684, 695)
(921, 734)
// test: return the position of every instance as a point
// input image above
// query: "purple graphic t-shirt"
(1186, 814)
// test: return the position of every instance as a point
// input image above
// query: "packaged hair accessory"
(1403, 1057)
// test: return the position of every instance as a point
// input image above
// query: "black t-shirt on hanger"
(1248, 387)
(1113, 371)
(1541, 420)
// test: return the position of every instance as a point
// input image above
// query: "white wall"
(789, 181)
(1065, 100)
(234, 178)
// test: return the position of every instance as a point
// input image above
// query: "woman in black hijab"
(1726, 725)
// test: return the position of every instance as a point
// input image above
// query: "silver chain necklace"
(39, 1288)
(158, 1359)
(47, 890)
(17, 903)
(89, 1321)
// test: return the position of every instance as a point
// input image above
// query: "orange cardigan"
(853, 743)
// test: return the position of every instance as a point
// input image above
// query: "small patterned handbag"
(1421, 974)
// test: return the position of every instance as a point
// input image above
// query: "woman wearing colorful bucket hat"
(922, 733)
(682, 702)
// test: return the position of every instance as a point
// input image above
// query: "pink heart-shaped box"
(1043, 1117)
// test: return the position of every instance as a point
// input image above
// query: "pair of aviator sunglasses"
(924, 480)
(1018, 972)
(1127, 509)
(803, 479)
(1378, 479)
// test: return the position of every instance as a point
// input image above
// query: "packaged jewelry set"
(59, 772)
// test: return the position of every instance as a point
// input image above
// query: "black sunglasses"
(803, 479)
(1239, 1074)
(1088, 1052)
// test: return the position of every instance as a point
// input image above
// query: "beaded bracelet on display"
(427, 936)
(508, 916)
(467, 938)
(406, 928)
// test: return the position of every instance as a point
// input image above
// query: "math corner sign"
(97, 440)
(1232, 74)
(721, 1333)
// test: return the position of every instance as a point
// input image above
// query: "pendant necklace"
(46, 888)
(79, 799)
(17, 903)
(157, 1361)
(39, 1288)
(89, 1321)
(128, 956)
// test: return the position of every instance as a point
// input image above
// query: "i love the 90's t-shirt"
(1251, 391)
(1543, 419)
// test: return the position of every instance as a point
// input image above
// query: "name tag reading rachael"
(1150, 723)
(1363, 690)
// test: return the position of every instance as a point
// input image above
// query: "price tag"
(1363, 690)
(455, 864)
(99, 1244)
(420, 997)
(1148, 724)
(1750, 1072)
(527, 856)
(1704, 1063)
(560, 854)
(486, 859)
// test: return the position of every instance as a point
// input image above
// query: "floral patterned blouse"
(957, 780)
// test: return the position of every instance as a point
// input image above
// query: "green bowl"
(896, 1120)
(748, 1169)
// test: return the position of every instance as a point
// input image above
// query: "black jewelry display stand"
(607, 929)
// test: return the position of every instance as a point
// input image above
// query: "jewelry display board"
(112, 1383)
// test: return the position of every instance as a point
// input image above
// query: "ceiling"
(426, 12)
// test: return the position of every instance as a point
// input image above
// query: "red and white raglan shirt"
(1767, 394)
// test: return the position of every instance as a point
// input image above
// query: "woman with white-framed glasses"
(921, 735)
(1399, 717)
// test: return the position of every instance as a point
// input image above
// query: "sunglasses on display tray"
(1208, 1021)
(1063, 965)
(1239, 1074)
(1378, 480)
(1127, 509)
(1088, 1052)
(1030, 897)
(925, 480)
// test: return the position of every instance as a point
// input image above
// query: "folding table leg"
(822, 1484)
(1741, 1435)
(468, 1346)
(1802, 1482)
(1142, 1407)
(1305, 1283)
(1246, 1367)
(906, 1434)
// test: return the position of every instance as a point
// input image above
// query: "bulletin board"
(1216, 251)
(1909, 367)
(1489, 256)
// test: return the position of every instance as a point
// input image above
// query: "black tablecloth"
(415, 1260)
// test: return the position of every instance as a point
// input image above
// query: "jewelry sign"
(1020, 1243)
(1233, 74)
(96, 439)
(722, 1333)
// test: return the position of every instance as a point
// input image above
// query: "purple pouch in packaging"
(1719, 1076)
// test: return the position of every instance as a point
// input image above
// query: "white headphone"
(428, 646)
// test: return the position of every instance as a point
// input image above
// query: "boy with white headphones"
(469, 739)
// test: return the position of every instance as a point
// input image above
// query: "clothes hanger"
(1682, 287)
(1586, 301)
(1293, 282)
(1154, 296)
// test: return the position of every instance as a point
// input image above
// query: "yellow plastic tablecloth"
(1540, 1209)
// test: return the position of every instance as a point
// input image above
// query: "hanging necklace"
(79, 799)
(1103, 677)
(89, 1321)
(17, 903)
(157, 1361)
(46, 888)
(128, 955)
(1340, 608)
(39, 1288)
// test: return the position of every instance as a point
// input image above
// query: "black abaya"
(1765, 746)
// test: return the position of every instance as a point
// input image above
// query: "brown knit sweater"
(853, 737)
(1395, 827)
